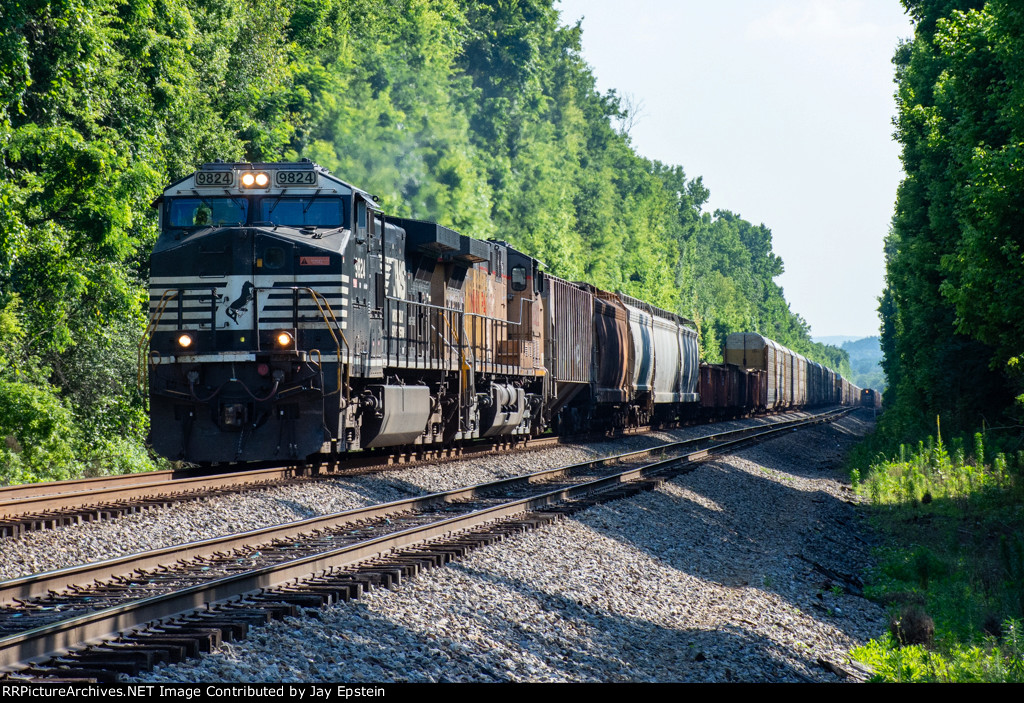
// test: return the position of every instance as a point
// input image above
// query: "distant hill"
(866, 362)
(836, 340)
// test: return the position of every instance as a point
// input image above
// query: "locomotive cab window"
(206, 212)
(308, 211)
(518, 278)
(361, 214)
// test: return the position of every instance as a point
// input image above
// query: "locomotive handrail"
(522, 302)
(154, 322)
(330, 319)
(452, 347)
(465, 314)
(468, 379)
(465, 379)
(157, 317)
(317, 298)
(331, 323)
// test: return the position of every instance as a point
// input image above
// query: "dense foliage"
(953, 316)
(951, 568)
(952, 326)
(479, 114)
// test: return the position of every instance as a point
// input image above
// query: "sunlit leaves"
(952, 310)
(481, 115)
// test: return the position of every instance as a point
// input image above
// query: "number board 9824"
(295, 178)
(214, 178)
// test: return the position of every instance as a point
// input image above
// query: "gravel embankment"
(190, 521)
(716, 576)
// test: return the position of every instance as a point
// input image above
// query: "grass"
(956, 663)
(952, 568)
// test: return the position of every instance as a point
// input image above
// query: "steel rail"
(33, 499)
(43, 501)
(45, 641)
(84, 495)
(36, 585)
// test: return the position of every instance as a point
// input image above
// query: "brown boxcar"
(569, 337)
(754, 382)
(712, 389)
(726, 390)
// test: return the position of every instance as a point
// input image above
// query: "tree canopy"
(480, 114)
(953, 317)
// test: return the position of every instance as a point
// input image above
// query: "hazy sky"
(785, 108)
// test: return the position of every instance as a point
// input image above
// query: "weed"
(1011, 556)
(991, 661)
(954, 568)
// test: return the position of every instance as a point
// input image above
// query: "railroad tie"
(206, 638)
(191, 646)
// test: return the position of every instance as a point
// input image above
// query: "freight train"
(289, 316)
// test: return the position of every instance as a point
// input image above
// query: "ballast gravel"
(736, 571)
(733, 572)
(206, 518)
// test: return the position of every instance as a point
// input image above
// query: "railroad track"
(41, 506)
(275, 571)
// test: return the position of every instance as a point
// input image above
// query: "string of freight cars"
(289, 316)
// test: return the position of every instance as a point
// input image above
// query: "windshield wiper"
(203, 200)
(241, 202)
(277, 202)
(311, 199)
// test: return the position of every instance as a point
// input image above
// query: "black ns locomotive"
(289, 316)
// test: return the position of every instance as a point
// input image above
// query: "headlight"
(255, 180)
(284, 339)
(185, 341)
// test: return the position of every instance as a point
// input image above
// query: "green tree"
(951, 317)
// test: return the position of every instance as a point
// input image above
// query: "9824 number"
(291, 178)
(214, 178)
